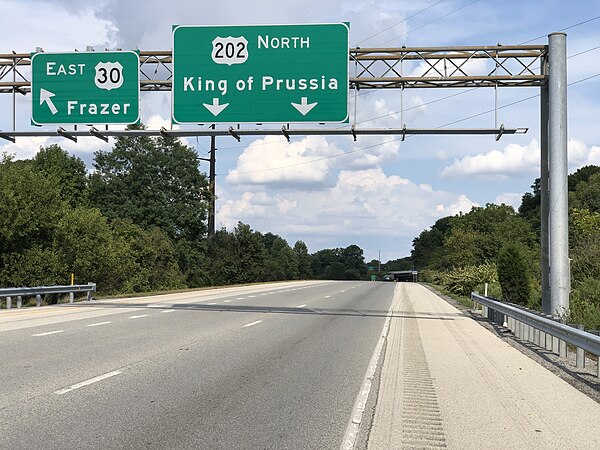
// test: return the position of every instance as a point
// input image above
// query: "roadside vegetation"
(137, 224)
(497, 245)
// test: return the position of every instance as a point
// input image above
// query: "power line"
(401, 22)
(408, 136)
(563, 29)
(430, 22)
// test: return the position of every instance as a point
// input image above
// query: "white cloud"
(514, 159)
(517, 159)
(27, 147)
(509, 198)
(54, 28)
(274, 161)
(360, 204)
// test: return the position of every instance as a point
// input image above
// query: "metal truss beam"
(285, 132)
(374, 68)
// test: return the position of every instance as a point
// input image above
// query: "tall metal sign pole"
(560, 277)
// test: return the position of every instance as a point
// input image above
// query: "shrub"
(513, 275)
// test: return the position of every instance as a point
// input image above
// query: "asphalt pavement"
(266, 366)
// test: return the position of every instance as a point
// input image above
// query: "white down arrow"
(215, 108)
(304, 107)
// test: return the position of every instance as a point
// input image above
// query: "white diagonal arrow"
(215, 108)
(46, 96)
(304, 107)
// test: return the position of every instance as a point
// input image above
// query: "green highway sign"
(260, 73)
(85, 88)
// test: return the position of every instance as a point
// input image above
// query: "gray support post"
(544, 206)
(19, 301)
(38, 300)
(558, 172)
(562, 348)
(580, 354)
(71, 297)
(549, 342)
(8, 302)
(555, 345)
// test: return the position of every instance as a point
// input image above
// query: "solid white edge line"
(48, 333)
(168, 311)
(87, 382)
(351, 434)
(97, 324)
(252, 323)
(138, 317)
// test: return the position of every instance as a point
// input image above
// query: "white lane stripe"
(210, 304)
(138, 317)
(227, 301)
(168, 311)
(252, 296)
(301, 306)
(87, 382)
(240, 298)
(351, 434)
(252, 323)
(328, 296)
(48, 333)
(97, 324)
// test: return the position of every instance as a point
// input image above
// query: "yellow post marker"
(72, 279)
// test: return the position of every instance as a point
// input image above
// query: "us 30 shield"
(109, 75)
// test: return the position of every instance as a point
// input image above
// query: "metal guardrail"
(539, 329)
(38, 291)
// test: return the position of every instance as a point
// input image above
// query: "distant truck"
(402, 275)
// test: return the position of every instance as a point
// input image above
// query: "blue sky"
(386, 192)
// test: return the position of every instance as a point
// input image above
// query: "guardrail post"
(562, 348)
(38, 300)
(549, 342)
(19, 301)
(555, 345)
(71, 297)
(580, 354)
(8, 302)
(536, 337)
(542, 339)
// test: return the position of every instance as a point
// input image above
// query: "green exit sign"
(262, 73)
(85, 88)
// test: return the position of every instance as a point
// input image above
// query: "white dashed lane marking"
(138, 317)
(252, 323)
(87, 382)
(97, 324)
(301, 306)
(48, 333)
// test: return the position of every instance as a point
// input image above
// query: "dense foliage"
(456, 251)
(137, 224)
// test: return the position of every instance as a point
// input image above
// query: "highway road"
(266, 366)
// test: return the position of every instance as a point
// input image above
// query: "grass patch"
(465, 301)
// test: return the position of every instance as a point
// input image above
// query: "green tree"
(153, 255)
(30, 207)
(152, 182)
(460, 248)
(70, 172)
(513, 275)
(301, 250)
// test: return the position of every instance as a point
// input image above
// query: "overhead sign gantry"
(260, 74)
